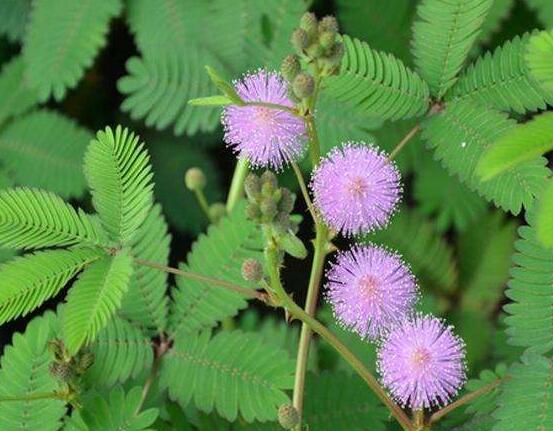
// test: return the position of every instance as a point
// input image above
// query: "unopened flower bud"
(194, 179)
(252, 270)
(286, 204)
(290, 67)
(217, 211)
(270, 178)
(268, 209)
(252, 186)
(309, 24)
(85, 361)
(300, 40)
(61, 371)
(288, 416)
(253, 212)
(327, 39)
(337, 54)
(328, 23)
(303, 85)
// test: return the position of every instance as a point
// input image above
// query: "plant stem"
(314, 145)
(203, 203)
(404, 141)
(304, 191)
(466, 399)
(237, 184)
(418, 420)
(160, 350)
(248, 293)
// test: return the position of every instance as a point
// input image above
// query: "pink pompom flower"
(370, 289)
(267, 137)
(422, 362)
(356, 188)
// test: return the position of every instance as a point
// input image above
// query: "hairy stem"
(237, 184)
(465, 399)
(248, 293)
(404, 142)
(304, 191)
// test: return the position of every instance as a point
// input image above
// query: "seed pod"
(288, 416)
(252, 270)
(194, 179)
(303, 85)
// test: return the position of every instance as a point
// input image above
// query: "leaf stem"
(35, 396)
(160, 350)
(314, 145)
(304, 191)
(404, 141)
(237, 184)
(248, 293)
(466, 399)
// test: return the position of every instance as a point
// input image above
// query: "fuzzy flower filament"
(356, 189)
(267, 137)
(422, 363)
(370, 289)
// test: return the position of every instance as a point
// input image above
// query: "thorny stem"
(304, 190)
(244, 291)
(237, 184)
(404, 141)
(466, 399)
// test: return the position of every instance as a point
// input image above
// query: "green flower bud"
(194, 179)
(327, 39)
(252, 270)
(286, 204)
(336, 54)
(309, 24)
(85, 362)
(328, 23)
(268, 209)
(290, 67)
(61, 371)
(253, 212)
(269, 178)
(217, 211)
(288, 416)
(252, 186)
(303, 85)
(299, 40)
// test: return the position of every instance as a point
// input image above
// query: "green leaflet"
(544, 217)
(145, 303)
(498, 12)
(461, 133)
(526, 399)
(538, 58)
(121, 351)
(24, 371)
(377, 84)
(530, 323)
(119, 175)
(94, 298)
(502, 80)
(116, 411)
(56, 56)
(28, 281)
(53, 145)
(13, 18)
(233, 373)
(32, 218)
(442, 38)
(15, 95)
(420, 245)
(219, 254)
(522, 144)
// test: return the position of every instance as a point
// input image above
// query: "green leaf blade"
(16, 97)
(544, 217)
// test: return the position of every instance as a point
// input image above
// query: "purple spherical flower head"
(267, 137)
(356, 188)
(422, 363)
(370, 289)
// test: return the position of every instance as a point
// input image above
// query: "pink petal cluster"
(422, 362)
(356, 188)
(370, 289)
(267, 137)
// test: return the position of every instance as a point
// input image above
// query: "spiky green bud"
(252, 270)
(85, 361)
(309, 24)
(252, 186)
(194, 179)
(217, 211)
(270, 179)
(300, 40)
(327, 39)
(61, 371)
(290, 67)
(253, 212)
(328, 24)
(268, 209)
(286, 203)
(288, 416)
(303, 85)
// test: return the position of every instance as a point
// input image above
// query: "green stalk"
(204, 205)
(237, 184)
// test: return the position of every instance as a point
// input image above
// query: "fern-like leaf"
(16, 97)
(530, 323)
(118, 172)
(13, 18)
(145, 303)
(526, 399)
(94, 298)
(377, 84)
(219, 254)
(27, 281)
(502, 80)
(53, 145)
(419, 243)
(498, 13)
(32, 218)
(443, 36)
(338, 401)
(24, 372)
(57, 55)
(538, 58)
(521, 144)
(461, 133)
(233, 373)
(121, 351)
(117, 411)
(544, 216)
